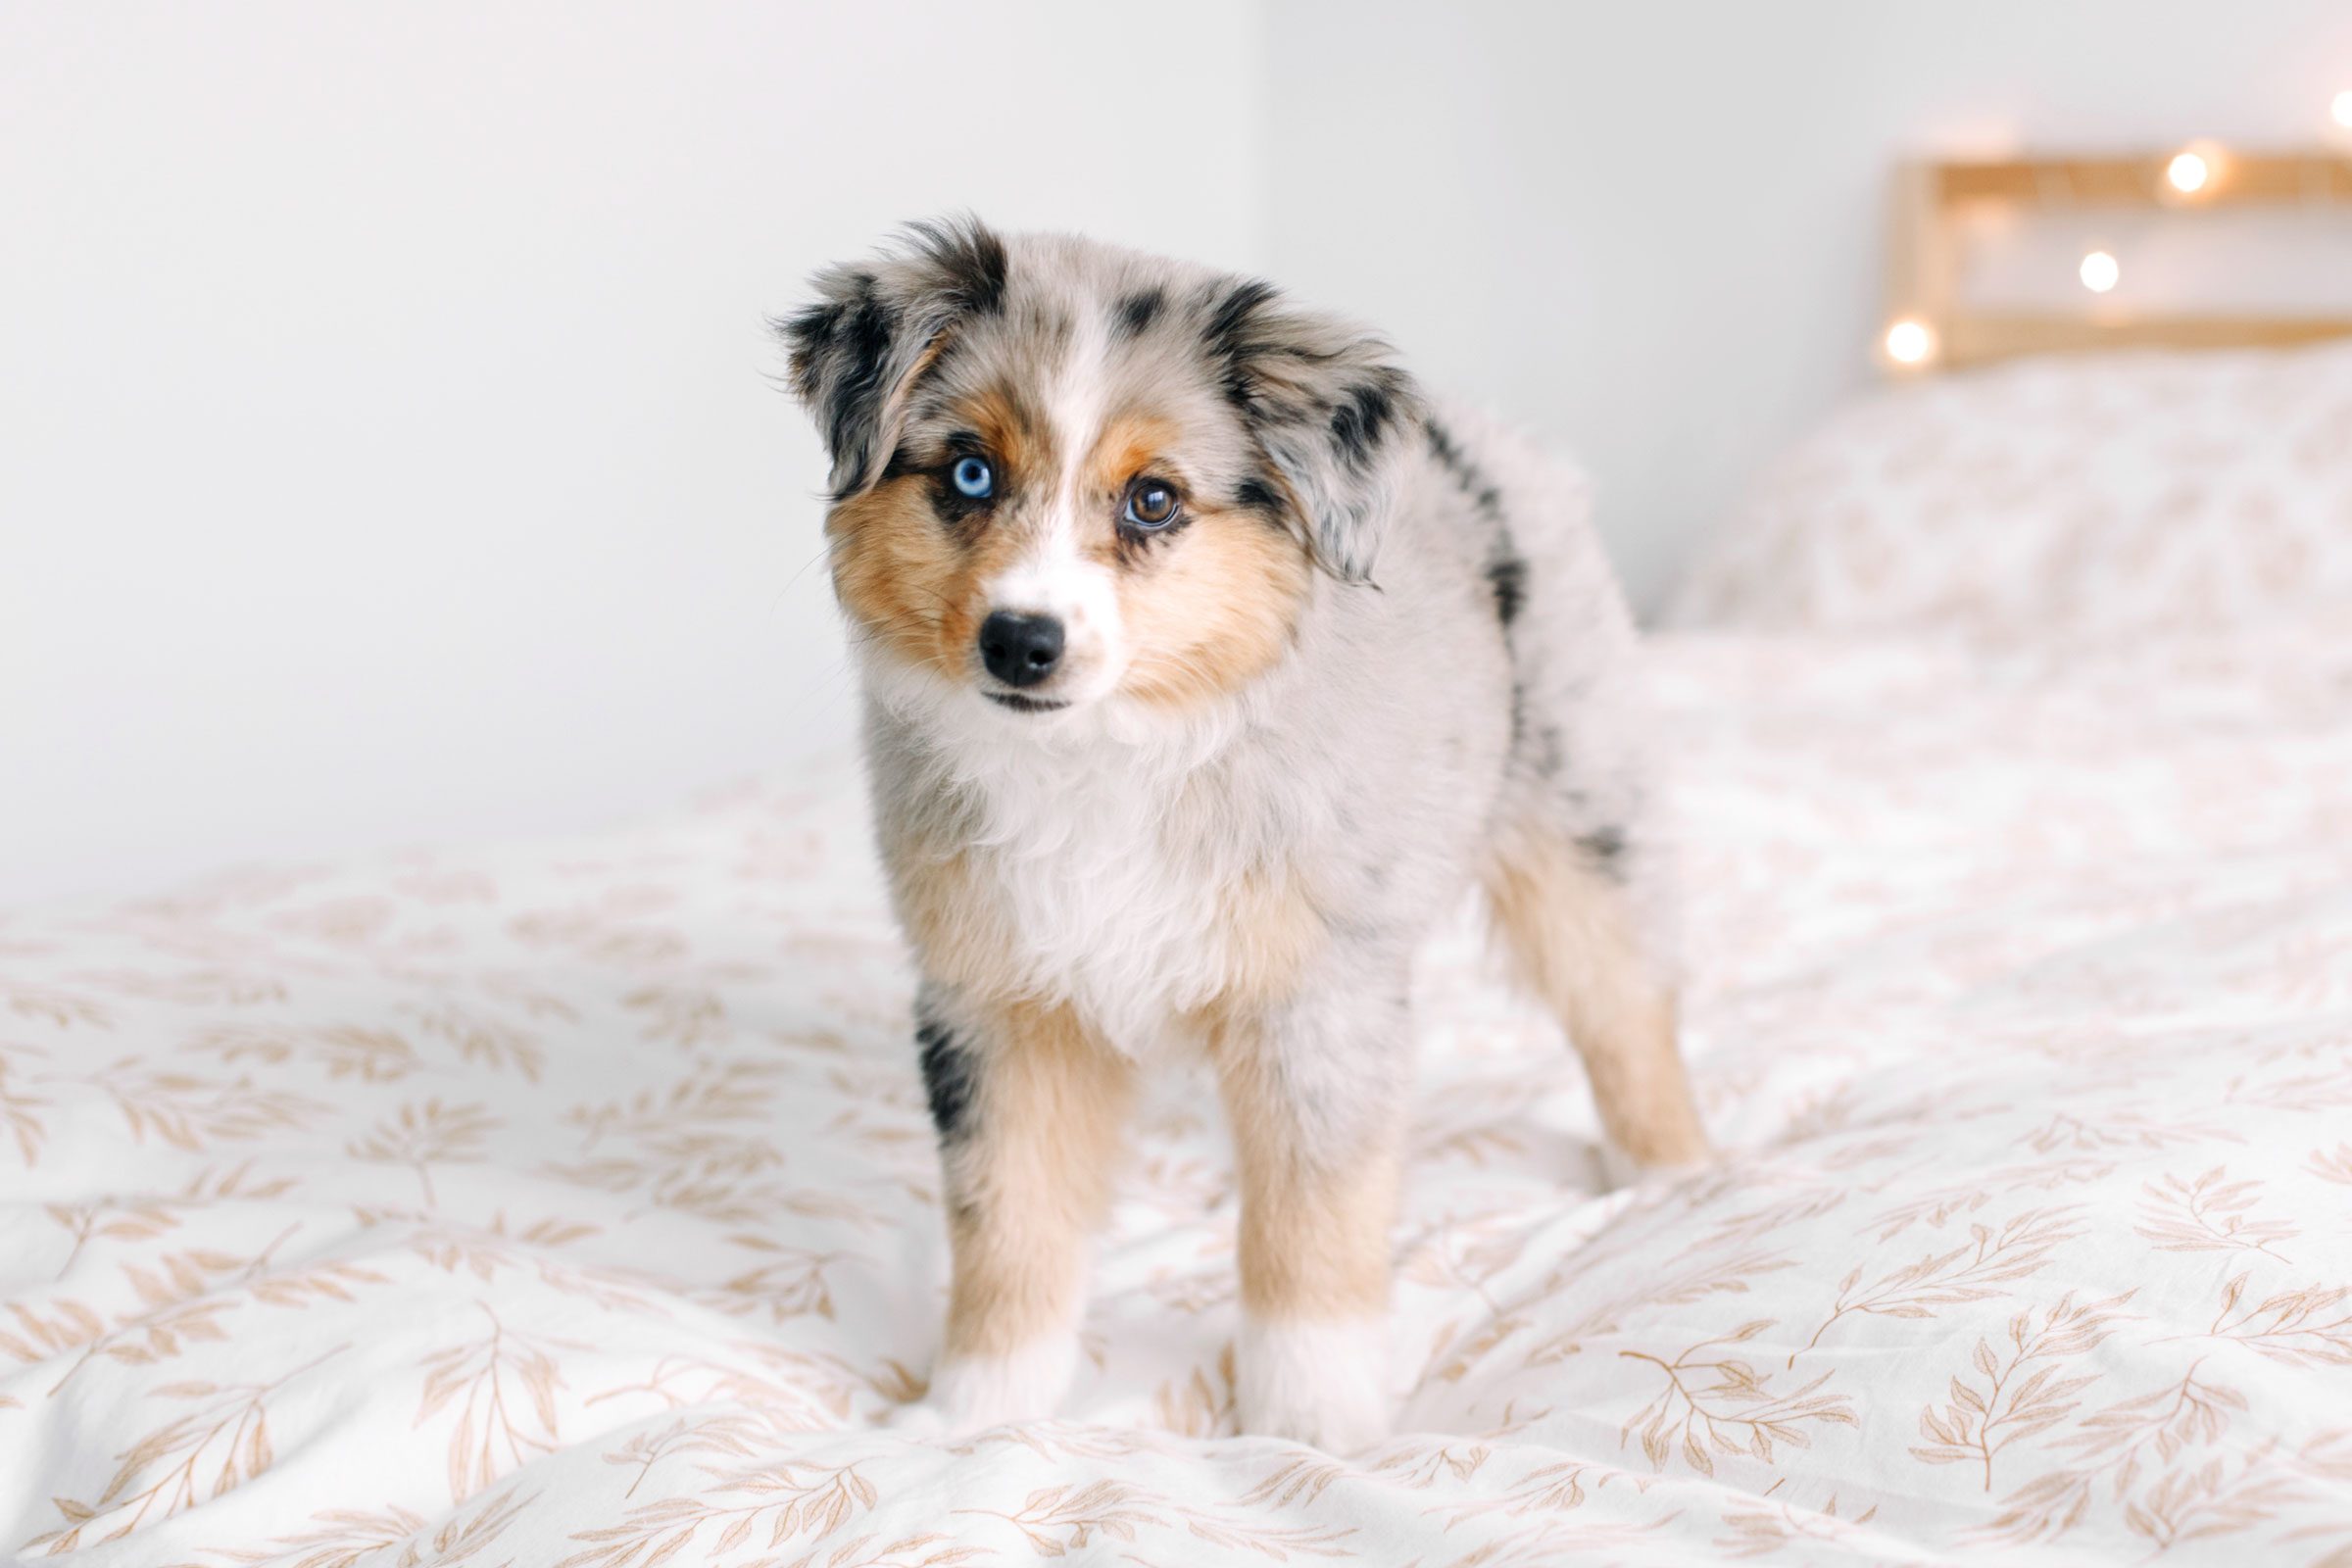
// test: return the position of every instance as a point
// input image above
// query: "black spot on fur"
(1538, 747)
(1606, 847)
(1507, 569)
(840, 349)
(1257, 495)
(1138, 311)
(1466, 474)
(1548, 750)
(1357, 422)
(1506, 574)
(1230, 337)
(947, 1078)
(1441, 447)
(970, 261)
(1228, 326)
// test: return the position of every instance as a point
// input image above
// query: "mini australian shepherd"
(1207, 663)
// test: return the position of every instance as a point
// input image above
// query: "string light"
(2102, 272)
(1910, 341)
(2189, 172)
(2342, 110)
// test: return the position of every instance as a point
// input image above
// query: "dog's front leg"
(1028, 1102)
(1314, 1090)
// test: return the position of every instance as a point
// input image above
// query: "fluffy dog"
(1205, 666)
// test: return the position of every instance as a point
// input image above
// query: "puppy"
(1205, 664)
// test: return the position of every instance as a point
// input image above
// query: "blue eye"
(973, 478)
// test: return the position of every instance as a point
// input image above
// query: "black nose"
(1020, 650)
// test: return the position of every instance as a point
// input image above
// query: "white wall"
(1652, 230)
(387, 449)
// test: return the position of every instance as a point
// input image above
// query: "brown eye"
(1151, 504)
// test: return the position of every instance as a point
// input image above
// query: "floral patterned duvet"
(574, 1203)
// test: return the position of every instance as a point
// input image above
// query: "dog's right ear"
(857, 352)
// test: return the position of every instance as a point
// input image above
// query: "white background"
(388, 445)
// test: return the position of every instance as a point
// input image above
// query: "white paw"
(971, 1393)
(1321, 1384)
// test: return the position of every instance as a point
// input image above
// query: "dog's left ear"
(1330, 408)
(854, 354)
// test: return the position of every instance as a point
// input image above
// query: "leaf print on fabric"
(2128, 1129)
(504, 1388)
(484, 1040)
(2310, 1327)
(190, 1112)
(789, 1287)
(206, 1453)
(1200, 1404)
(53, 1004)
(1055, 1521)
(1722, 1405)
(791, 1500)
(424, 1134)
(792, 1390)
(229, 988)
(182, 1300)
(1971, 1273)
(2014, 1403)
(2111, 1452)
(19, 1108)
(1938, 1206)
(2333, 1166)
(1769, 1524)
(1736, 1275)
(2208, 1215)
(680, 1015)
(367, 1055)
(1295, 1480)
(359, 1538)
(1552, 1489)
(115, 1219)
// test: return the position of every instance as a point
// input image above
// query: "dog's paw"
(1320, 1383)
(971, 1393)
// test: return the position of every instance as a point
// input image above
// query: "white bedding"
(575, 1203)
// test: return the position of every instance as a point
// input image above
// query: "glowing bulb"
(2102, 272)
(2188, 173)
(2342, 110)
(1910, 342)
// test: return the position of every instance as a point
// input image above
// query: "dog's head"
(1064, 472)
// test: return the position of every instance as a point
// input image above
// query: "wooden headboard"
(1931, 327)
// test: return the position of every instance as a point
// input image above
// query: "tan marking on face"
(1131, 446)
(914, 581)
(1030, 1176)
(1015, 433)
(1571, 936)
(1212, 608)
(1314, 1224)
(1212, 604)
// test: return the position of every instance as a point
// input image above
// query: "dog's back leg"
(1565, 916)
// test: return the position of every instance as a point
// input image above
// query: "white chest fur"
(1140, 881)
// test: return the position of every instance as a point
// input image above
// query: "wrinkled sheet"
(575, 1203)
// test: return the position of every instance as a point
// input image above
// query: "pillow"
(2116, 495)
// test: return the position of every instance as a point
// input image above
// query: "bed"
(574, 1203)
